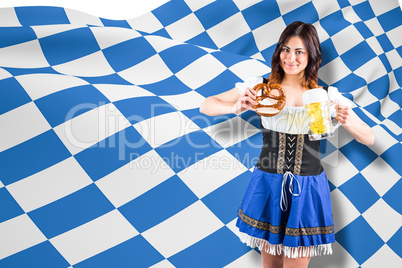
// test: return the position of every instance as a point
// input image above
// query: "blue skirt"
(287, 213)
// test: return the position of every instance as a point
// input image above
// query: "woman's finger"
(343, 119)
(343, 109)
(344, 114)
(245, 107)
(252, 101)
(250, 92)
(244, 100)
(248, 101)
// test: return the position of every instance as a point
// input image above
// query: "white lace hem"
(290, 252)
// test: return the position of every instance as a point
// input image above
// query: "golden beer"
(316, 102)
(318, 118)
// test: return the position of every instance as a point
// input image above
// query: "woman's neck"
(293, 82)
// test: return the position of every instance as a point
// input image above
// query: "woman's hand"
(343, 113)
(354, 125)
(245, 100)
(229, 102)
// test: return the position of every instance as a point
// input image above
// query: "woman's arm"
(354, 125)
(228, 102)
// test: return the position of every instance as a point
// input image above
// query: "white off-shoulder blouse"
(291, 120)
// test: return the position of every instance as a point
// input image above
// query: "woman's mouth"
(291, 65)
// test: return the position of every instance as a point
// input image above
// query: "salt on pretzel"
(271, 109)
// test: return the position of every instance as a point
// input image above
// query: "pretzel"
(272, 109)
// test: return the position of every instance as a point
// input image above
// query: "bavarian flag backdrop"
(106, 161)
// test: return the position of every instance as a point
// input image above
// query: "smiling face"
(294, 57)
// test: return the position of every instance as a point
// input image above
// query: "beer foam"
(315, 95)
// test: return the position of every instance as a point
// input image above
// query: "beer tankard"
(318, 106)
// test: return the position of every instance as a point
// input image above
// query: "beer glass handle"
(338, 124)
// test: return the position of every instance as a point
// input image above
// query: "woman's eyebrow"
(299, 48)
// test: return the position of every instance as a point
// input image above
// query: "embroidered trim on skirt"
(305, 228)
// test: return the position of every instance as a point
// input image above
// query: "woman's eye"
(300, 52)
(285, 50)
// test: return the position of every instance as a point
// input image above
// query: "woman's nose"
(292, 57)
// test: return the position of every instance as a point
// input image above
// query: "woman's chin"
(292, 72)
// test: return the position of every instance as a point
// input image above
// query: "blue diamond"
(395, 242)
(209, 252)
(359, 192)
(360, 155)
(225, 200)
(393, 197)
(393, 157)
(359, 239)
(326, 148)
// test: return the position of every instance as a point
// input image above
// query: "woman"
(286, 211)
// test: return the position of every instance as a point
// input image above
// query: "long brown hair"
(309, 35)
